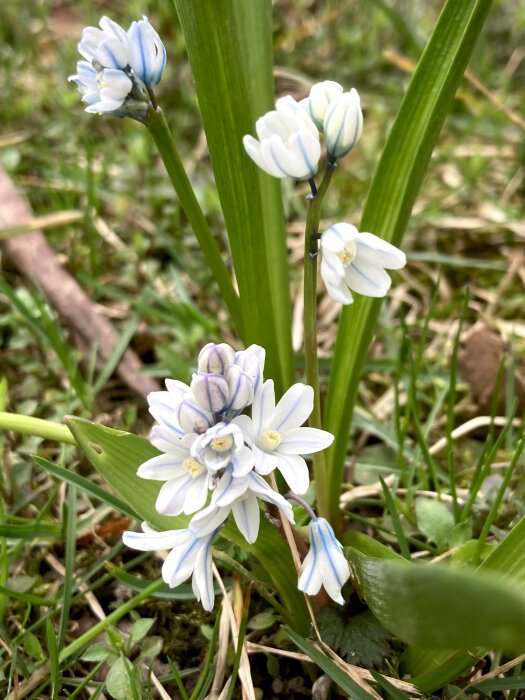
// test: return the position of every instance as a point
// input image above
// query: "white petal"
(151, 540)
(202, 581)
(294, 408)
(278, 161)
(263, 407)
(228, 489)
(242, 462)
(172, 495)
(307, 149)
(295, 472)
(246, 425)
(310, 580)
(337, 236)
(162, 467)
(304, 441)
(263, 491)
(367, 279)
(196, 494)
(254, 150)
(265, 462)
(111, 53)
(178, 565)
(379, 252)
(208, 520)
(247, 517)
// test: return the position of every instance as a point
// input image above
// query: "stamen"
(270, 440)
(193, 467)
(222, 444)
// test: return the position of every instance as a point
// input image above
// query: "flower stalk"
(167, 148)
(311, 245)
(27, 425)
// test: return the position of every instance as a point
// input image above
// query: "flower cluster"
(214, 458)
(289, 146)
(120, 68)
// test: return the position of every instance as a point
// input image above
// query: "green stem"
(27, 425)
(111, 619)
(163, 138)
(311, 245)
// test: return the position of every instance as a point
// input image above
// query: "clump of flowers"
(120, 68)
(289, 146)
(214, 459)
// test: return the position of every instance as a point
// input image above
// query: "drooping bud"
(343, 124)
(210, 390)
(321, 95)
(216, 358)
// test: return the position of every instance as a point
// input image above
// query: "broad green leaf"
(355, 690)
(229, 43)
(434, 520)
(118, 681)
(440, 607)
(432, 669)
(116, 455)
(140, 628)
(392, 194)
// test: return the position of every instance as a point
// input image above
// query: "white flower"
(187, 479)
(120, 67)
(239, 496)
(343, 124)
(321, 95)
(147, 52)
(357, 261)
(104, 90)
(178, 410)
(288, 143)
(325, 563)
(221, 445)
(190, 554)
(276, 438)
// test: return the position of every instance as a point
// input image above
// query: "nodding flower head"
(120, 68)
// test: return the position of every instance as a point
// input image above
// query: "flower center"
(347, 254)
(270, 440)
(193, 467)
(222, 444)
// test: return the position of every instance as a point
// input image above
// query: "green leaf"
(361, 639)
(432, 669)
(392, 194)
(88, 486)
(140, 628)
(343, 680)
(96, 652)
(32, 646)
(118, 681)
(116, 455)
(229, 44)
(434, 520)
(439, 607)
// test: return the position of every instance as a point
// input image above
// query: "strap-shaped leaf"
(230, 50)
(394, 189)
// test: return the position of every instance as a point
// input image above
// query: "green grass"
(133, 251)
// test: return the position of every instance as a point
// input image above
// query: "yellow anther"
(270, 440)
(222, 444)
(193, 467)
(347, 254)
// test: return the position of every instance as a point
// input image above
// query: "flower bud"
(343, 124)
(192, 418)
(240, 389)
(321, 95)
(210, 390)
(251, 361)
(216, 358)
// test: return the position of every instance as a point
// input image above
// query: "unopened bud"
(210, 390)
(192, 418)
(321, 95)
(343, 124)
(240, 389)
(215, 358)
